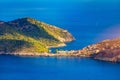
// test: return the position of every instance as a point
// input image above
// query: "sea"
(89, 21)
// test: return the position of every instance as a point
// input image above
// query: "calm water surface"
(53, 68)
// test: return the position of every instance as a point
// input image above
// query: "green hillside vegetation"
(56, 32)
(29, 35)
(11, 38)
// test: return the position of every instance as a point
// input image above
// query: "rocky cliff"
(108, 50)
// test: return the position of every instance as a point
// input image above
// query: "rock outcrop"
(107, 50)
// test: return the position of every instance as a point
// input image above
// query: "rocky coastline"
(107, 50)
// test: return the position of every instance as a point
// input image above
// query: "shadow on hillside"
(30, 30)
(13, 45)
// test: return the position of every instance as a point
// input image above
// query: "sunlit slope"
(29, 35)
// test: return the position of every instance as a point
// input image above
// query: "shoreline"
(56, 55)
(60, 45)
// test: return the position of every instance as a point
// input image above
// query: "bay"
(89, 22)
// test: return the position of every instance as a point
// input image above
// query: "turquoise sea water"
(89, 21)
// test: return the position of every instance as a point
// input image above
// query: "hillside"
(108, 50)
(27, 35)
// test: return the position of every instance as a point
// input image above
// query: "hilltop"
(28, 35)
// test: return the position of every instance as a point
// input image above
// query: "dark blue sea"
(89, 21)
(56, 68)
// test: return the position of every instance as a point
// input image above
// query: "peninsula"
(29, 36)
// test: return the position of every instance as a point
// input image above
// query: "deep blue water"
(52, 68)
(89, 21)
